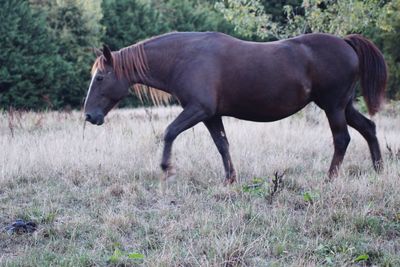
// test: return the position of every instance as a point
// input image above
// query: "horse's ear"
(107, 55)
(97, 52)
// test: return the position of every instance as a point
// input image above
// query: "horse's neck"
(161, 64)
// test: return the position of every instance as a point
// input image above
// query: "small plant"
(135, 256)
(257, 187)
(120, 255)
(277, 182)
(11, 124)
(307, 197)
(263, 188)
(362, 257)
(330, 252)
(150, 117)
(116, 256)
(310, 196)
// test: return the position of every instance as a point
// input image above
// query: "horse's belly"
(269, 105)
(265, 115)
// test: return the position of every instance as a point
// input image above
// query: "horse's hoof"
(333, 173)
(169, 174)
(229, 181)
(378, 166)
(329, 179)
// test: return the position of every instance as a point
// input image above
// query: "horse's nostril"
(88, 117)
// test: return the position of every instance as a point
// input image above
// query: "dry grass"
(97, 200)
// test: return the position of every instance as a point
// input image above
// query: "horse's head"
(105, 89)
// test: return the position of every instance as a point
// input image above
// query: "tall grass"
(97, 200)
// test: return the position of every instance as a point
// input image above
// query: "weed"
(394, 154)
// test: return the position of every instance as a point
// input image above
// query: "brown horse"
(214, 75)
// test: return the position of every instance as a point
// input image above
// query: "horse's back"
(326, 51)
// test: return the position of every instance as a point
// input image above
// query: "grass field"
(97, 200)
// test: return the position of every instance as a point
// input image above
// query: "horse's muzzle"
(97, 119)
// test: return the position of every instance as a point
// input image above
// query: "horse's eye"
(99, 78)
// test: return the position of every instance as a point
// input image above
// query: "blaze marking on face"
(307, 90)
(90, 87)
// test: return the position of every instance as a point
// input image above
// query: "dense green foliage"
(376, 19)
(128, 21)
(390, 42)
(47, 45)
(30, 67)
(75, 33)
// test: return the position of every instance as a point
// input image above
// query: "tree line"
(46, 45)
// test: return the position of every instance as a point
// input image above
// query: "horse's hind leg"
(189, 117)
(341, 138)
(366, 128)
(217, 131)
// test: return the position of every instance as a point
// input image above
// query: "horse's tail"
(373, 71)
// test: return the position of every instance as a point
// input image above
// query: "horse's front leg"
(217, 131)
(188, 118)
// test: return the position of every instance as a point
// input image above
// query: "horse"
(213, 75)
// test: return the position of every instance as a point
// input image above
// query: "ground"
(97, 201)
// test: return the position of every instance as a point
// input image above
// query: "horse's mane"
(131, 62)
